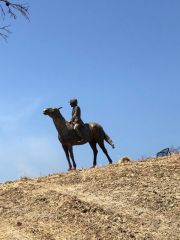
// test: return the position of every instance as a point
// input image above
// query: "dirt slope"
(136, 200)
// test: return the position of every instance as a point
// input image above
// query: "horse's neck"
(60, 125)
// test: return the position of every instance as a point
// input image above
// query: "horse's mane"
(61, 116)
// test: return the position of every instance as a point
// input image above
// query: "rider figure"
(76, 119)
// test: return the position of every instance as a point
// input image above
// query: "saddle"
(82, 131)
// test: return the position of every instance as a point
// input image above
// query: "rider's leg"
(77, 127)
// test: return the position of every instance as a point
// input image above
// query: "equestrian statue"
(76, 132)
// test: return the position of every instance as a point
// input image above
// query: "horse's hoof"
(93, 166)
(110, 162)
(69, 169)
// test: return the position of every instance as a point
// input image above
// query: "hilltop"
(135, 200)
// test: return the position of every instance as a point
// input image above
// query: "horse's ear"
(59, 108)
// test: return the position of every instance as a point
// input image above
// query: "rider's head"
(73, 102)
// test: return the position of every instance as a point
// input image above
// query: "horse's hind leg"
(95, 151)
(67, 156)
(101, 144)
(72, 157)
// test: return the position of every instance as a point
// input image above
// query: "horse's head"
(52, 112)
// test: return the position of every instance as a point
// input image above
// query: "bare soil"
(133, 200)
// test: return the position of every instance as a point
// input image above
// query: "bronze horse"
(68, 136)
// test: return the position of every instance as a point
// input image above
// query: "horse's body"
(68, 137)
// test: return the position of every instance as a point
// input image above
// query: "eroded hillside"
(136, 200)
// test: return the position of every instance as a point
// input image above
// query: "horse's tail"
(108, 140)
(98, 133)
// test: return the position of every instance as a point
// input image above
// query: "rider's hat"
(73, 101)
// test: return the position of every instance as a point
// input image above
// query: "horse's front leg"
(70, 148)
(67, 156)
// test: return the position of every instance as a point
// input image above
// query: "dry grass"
(134, 200)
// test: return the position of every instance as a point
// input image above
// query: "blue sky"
(120, 58)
